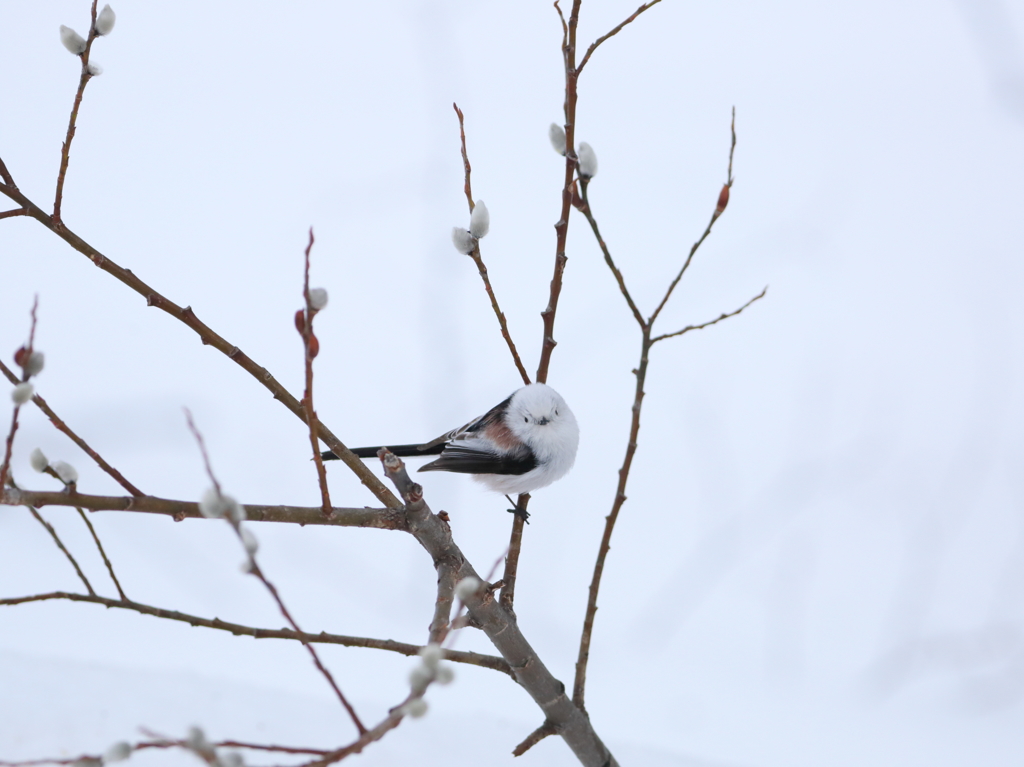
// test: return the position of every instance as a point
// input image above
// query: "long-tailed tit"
(522, 444)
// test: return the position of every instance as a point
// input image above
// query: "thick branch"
(500, 626)
(208, 336)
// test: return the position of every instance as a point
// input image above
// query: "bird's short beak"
(542, 421)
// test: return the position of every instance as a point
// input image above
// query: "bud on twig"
(723, 200)
(480, 221)
(38, 460)
(317, 298)
(587, 160)
(94, 70)
(71, 40)
(21, 393)
(117, 752)
(557, 136)
(415, 708)
(67, 473)
(34, 364)
(105, 21)
(467, 587)
(463, 241)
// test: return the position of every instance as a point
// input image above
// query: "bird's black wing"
(466, 458)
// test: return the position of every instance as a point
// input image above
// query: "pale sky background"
(821, 560)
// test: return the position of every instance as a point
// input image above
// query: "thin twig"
(64, 428)
(60, 545)
(585, 209)
(534, 738)
(311, 347)
(479, 261)
(715, 321)
(15, 212)
(65, 154)
(381, 519)
(96, 538)
(704, 236)
(6, 175)
(515, 545)
(388, 645)
(188, 317)
(5, 467)
(598, 41)
(257, 572)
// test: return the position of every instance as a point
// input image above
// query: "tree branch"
(715, 321)
(598, 41)
(381, 519)
(479, 261)
(499, 626)
(64, 428)
(208, 336)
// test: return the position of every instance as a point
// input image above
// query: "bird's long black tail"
(402, 451)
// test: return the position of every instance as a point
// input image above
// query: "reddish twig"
(254, 569)
(562, 225)
(65, 154)
(602, 38)
(479, 261)
(707, 231)
(60, 545)
(64, 428)
(207, 336)
(15, 212)
(311, 347)
(534, 738)
(6, 175)
(715, 321)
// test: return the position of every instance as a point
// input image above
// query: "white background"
(821, 557)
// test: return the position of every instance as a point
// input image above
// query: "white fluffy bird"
(520, 445)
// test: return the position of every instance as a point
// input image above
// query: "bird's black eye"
(556, 412)
(526, 420)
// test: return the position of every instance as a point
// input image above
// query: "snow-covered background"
(822, 556)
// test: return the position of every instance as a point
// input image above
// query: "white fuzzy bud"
(420, 677)
(67, 473)
(73, 41)
(87, 761)
(246, 566)
(105, 21)
(415, 708)
(467, 587)
(232, 759)
(22, 393)
(94, 70)
(317, 298)
(34, 366)
(249, 541)
(213, 505)
(117, 752)
(444, 675)
(431, 654)
(38, 460)
(557, 136)
(196, 741)
(480, 221)
(587, 160)
(463, 241)
(233, 510)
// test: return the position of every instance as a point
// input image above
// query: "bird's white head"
(539, 416)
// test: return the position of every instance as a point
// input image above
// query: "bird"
(522, 444)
